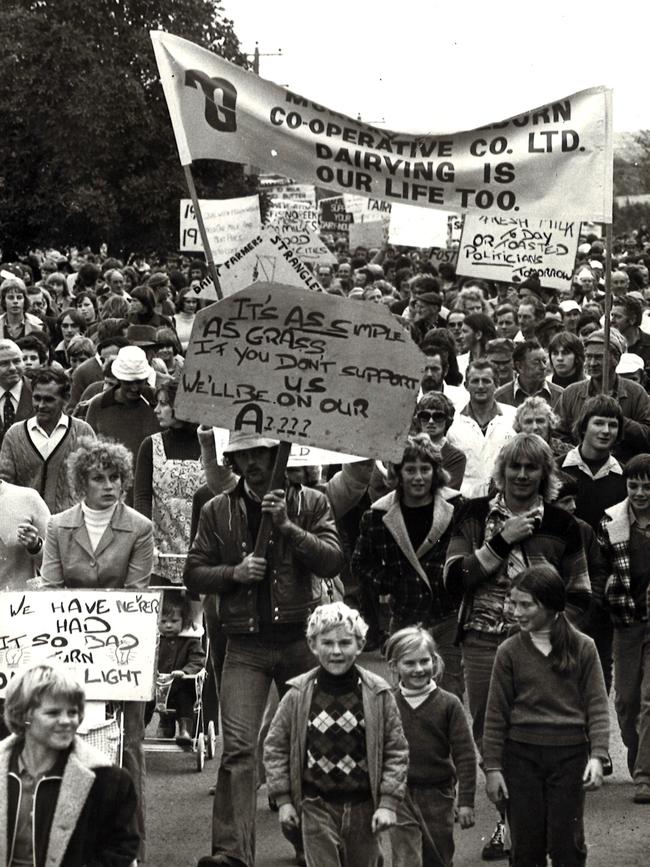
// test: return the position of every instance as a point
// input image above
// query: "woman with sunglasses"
(433, 416)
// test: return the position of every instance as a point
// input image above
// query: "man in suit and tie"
(15, 391)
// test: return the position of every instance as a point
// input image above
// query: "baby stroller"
(203, 737)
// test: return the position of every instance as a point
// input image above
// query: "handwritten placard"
(107, 639)
(512, 248)
(229, 223)
(333, 218)
(305, 367)
(297, 225)
(266, 257)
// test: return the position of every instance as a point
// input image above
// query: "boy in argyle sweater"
(336, 758)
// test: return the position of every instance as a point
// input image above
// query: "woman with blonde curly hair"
(100, 543)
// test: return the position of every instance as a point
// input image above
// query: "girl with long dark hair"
(547, 725)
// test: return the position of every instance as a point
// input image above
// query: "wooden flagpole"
(204, 235)
(608, 305)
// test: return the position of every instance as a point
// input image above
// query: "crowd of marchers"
(500, 566)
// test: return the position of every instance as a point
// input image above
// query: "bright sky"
(428, 65)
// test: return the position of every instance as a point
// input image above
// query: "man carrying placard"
(263, 603)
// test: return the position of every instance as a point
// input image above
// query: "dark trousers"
(546, 803)
(600, 627)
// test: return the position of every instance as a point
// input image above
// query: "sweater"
(441, 748)
(595, 493)
(337, 760)
(128, 424)
(530, 703)
(22, 464)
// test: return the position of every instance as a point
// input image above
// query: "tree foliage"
(87, 152)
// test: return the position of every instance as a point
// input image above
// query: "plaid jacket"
(614, 537)
(384, 559)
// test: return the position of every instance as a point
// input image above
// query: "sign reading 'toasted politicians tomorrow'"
(554, 161)
(512, 248)
(303, 366)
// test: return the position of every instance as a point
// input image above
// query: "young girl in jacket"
(441, 753)
(547, 725)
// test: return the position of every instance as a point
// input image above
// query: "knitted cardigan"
(22, 464)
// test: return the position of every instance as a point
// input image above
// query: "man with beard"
(263, 604)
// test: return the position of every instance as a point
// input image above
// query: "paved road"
(180, 809)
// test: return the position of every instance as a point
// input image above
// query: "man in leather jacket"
(263, 605)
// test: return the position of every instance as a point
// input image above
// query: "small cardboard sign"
(416, 227)
(267, 257)
(298, 227)
(306, 367)
(229, 223)
(106, 639)
(513, 248)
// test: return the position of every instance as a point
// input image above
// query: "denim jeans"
(479, 650)
(444, 634)
(338, 834)
(632, 685)
(250, 666)
(546, 803)
(424, 833)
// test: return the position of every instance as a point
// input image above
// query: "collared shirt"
(575, 459)
(520, 393)
(44, 442)
(480, 447)
(15, 394)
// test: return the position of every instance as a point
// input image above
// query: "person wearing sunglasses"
(433, 416)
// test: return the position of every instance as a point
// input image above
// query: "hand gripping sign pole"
(204, 235)
(277, 481)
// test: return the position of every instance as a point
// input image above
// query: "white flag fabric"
(555, 161)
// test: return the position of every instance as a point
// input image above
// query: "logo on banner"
(220, 99)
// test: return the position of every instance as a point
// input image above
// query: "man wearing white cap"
(634, 401)
(126, 412)
(571, 311)
(263, 605)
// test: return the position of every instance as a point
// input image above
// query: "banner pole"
(277, 481)
(204, 235)
(608, 304)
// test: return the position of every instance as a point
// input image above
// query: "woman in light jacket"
(62, 802)
(102, 543)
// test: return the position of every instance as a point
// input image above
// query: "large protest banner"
(265, 257)
(107, 639)
(305, 367)
(554, 161)
(228, 222)
(512, 248)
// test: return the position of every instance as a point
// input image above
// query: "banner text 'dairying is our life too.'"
(552, 161)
